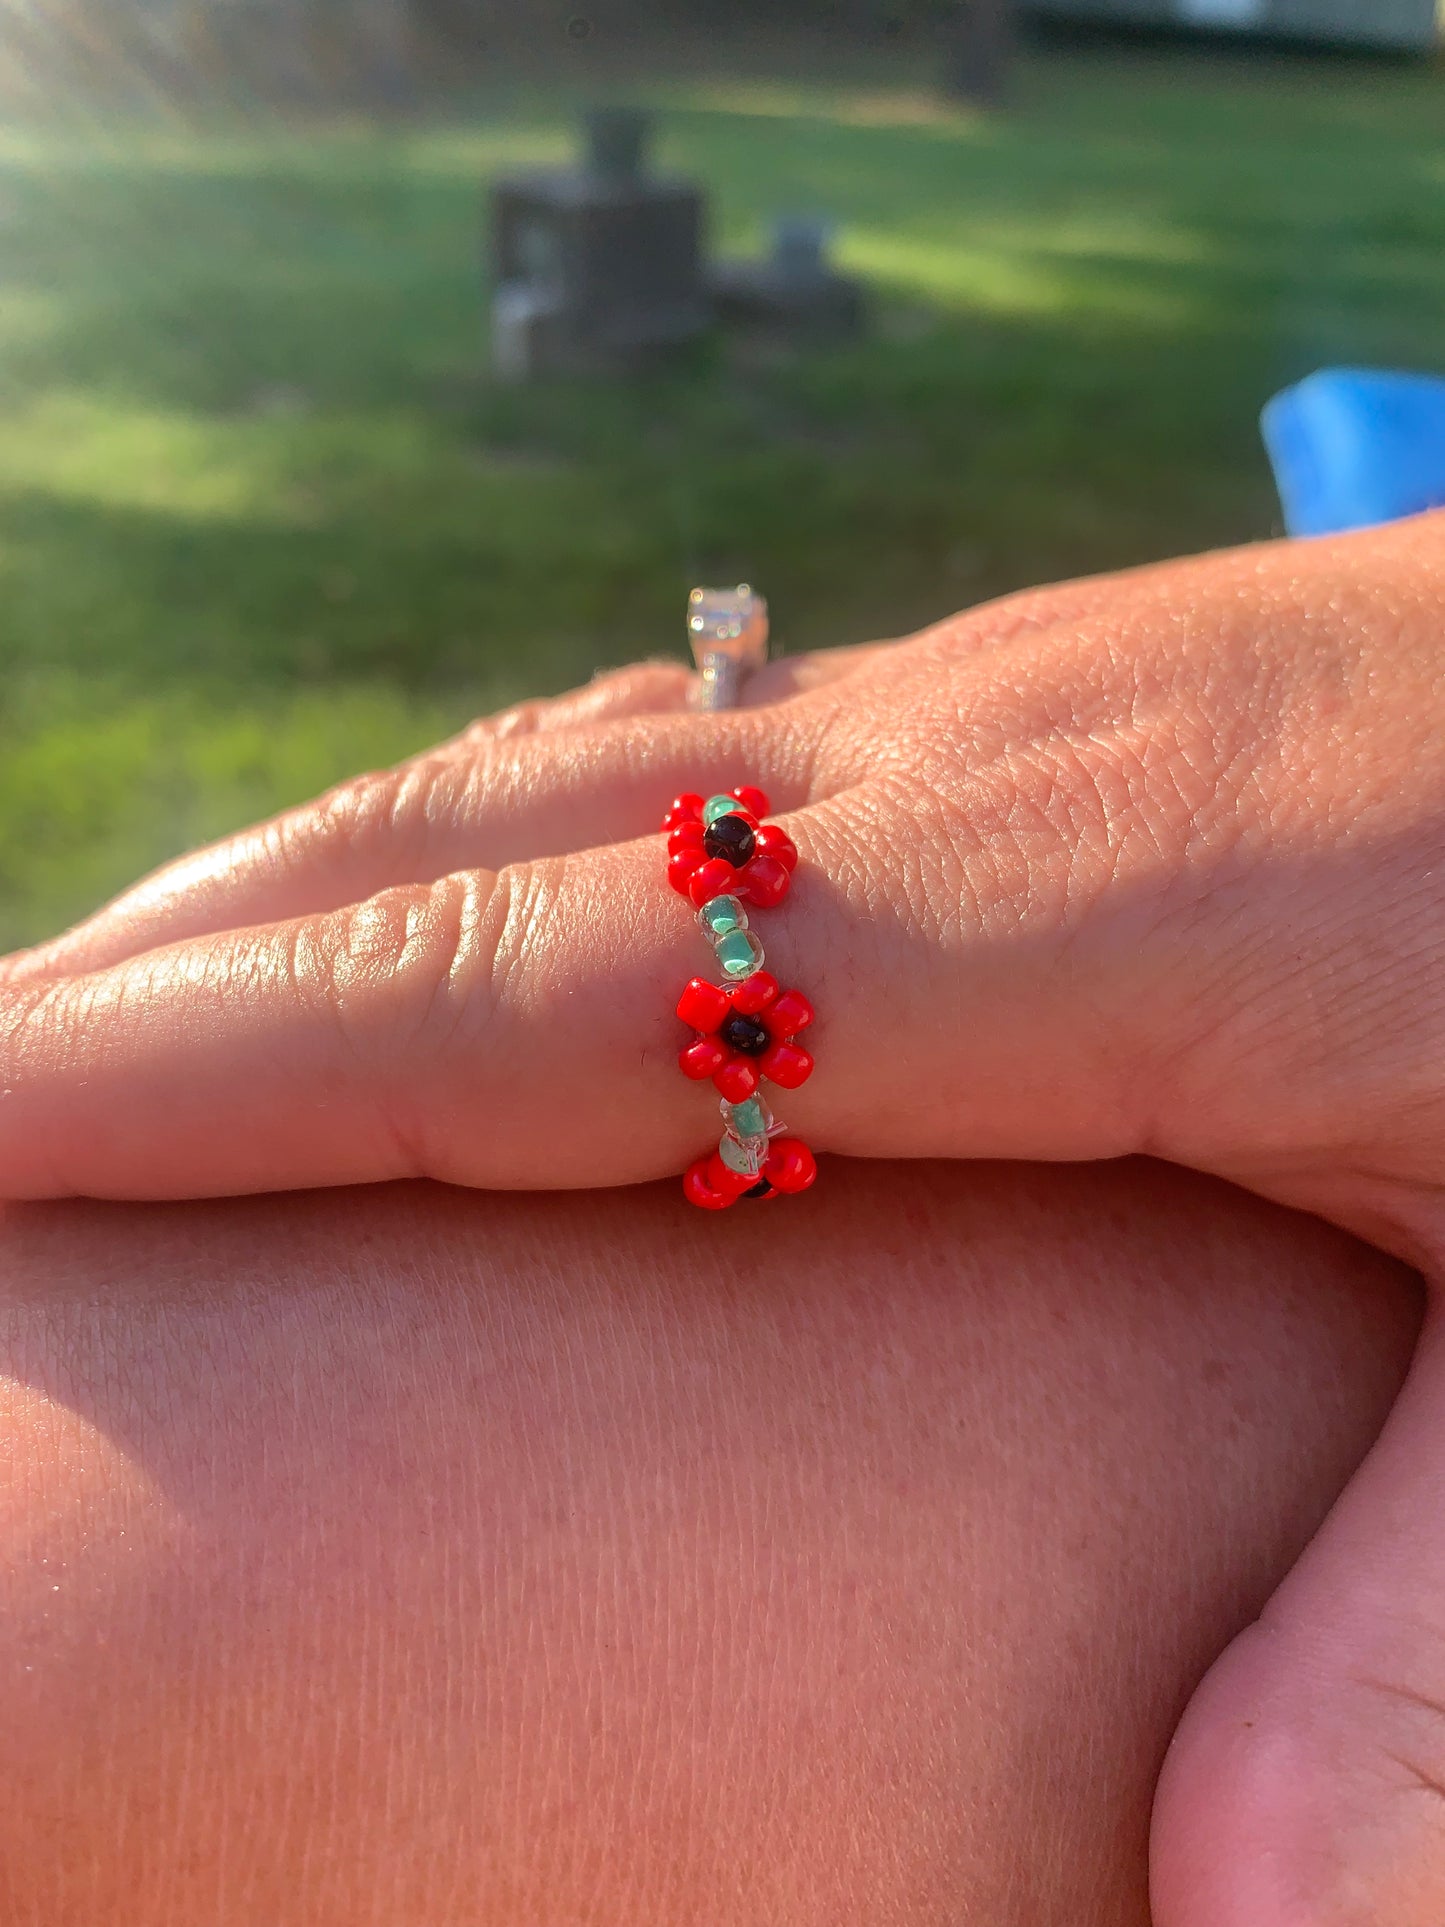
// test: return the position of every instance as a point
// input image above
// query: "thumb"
(1307, 1782)
(508, 1029)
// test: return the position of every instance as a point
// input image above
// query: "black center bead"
(731, 839)
(744, 1034)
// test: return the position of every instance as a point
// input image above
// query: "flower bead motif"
(719, 846)
(723, 857)
(789, 1167)
(745, 1033)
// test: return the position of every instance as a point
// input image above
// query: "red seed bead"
(787, 1064)
(687, 836)
(703, 1005)
(791, 1012)
(715, 878)
(764, 881)
(722, 1177)
(773, 841)
(682, 868)
(752, 799)
(755, 993)
(703, 1057)
(697, 1190)
(683, 809)
(791, 1166)
(737, 1079)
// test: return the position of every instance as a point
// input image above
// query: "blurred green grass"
(263, 519)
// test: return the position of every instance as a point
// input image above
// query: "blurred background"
(303, 463)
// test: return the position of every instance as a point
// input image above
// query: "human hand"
(1145, 863)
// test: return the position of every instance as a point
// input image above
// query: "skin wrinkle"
(1419, 1779)
(1260, 990)
(839, 879)
(946, 909)
(335, 842)
(1085, 743)
(432, 791)
(1107, 790)
(403, 952)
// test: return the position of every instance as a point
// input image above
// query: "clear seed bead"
(739, 953)
(746, 1159)
(717, 806)
(721, 914)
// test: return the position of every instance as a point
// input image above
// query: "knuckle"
(28, 1015)
(413, 980)
(335, 839)
(1012, 618)
(638, 688)
(378, 969)
(25, 966)
(635, 688)
(650, 677)
(521, 719)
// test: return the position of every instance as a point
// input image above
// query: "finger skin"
(462, 805)
(499, 1030)
(1304, 1787)
(349, 1047)
(639, 689)
(365, 835)
(443, 810)
(496, 794)
(1165, 878)
(511, 800)
(518, 1029)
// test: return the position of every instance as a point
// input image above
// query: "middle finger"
(507, 789)
(511, 800)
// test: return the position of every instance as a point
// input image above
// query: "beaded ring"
(721, 856)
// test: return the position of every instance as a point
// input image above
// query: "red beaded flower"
(789, 1167)
(745, 1033)
(733, 855)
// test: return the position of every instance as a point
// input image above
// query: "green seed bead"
(721, 914)
(739, 953)
(717, 806)
(748, 1119)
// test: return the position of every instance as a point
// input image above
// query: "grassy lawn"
(263, 520)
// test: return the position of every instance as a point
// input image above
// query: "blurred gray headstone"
(600, 265)
(795, 288)
(616, 143)
(979, 51)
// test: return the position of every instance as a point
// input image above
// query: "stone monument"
(794, 290)
(599, 266)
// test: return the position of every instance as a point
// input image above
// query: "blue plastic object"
(1354, 446)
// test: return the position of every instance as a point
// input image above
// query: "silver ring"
(728, 631)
